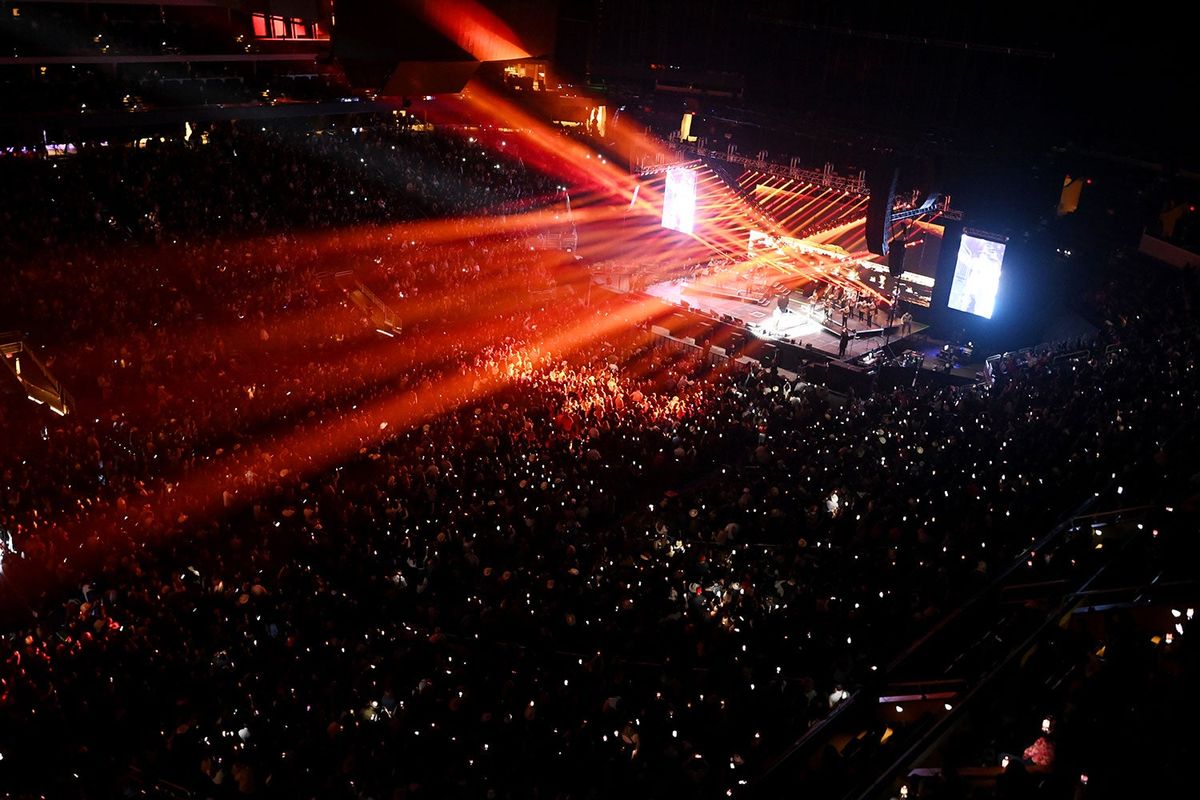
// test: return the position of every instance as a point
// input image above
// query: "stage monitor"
(977, 275)
(679, 200)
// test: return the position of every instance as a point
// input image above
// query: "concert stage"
(803, 324)
(721, 251)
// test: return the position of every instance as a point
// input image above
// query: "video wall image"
(679, 201)
(977, 275)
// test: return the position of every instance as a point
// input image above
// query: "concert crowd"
(518, 548)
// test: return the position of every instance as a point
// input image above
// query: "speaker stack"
(882, 185)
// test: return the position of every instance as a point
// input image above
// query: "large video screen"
(679, 201)
(976, 276)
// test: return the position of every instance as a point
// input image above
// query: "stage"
(803, 324)
(717, 245)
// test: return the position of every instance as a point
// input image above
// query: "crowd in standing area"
(517, 550)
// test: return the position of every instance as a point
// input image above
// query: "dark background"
(1003, 74)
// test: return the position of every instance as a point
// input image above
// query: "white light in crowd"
(1045, 725)
(6, 548)
(1179, 628)
(948, 706)
(899, 709)
(1176, 613)
(1004, 762)
(1190, 612)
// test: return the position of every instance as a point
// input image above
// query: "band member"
(843, 341)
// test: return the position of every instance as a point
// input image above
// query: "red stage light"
(475, 29)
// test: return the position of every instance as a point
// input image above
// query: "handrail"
(1116, 512)
(1019, 561)
(48, 390)
(859, 695)
(1069, 602)
(379, 312)
(941, 727)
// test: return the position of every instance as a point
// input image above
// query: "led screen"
(679, 202)
(976, 276)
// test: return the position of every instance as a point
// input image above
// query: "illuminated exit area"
(679, 201)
